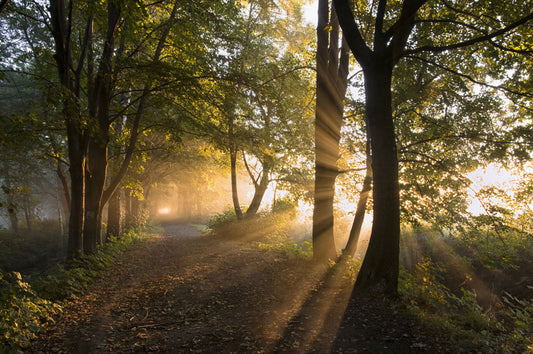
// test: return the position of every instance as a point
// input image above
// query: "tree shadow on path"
(332, 320)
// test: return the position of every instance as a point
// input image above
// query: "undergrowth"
(28, 305)
(506, 329)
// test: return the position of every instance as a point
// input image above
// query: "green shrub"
(22, 312)
(283, 244)
(223, 218)
(521, 313)
(284, 206)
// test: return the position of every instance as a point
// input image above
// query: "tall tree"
(332, 72)
(61, 27)
(393, 26)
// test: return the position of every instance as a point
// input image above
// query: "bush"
(283, 244)
(284, 206)
(221, 219)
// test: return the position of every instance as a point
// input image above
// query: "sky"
(311, 12)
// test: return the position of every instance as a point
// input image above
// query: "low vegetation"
(467, 287)
(28, 304)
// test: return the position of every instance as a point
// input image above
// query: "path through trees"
(204, 294)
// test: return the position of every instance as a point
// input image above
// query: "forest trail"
(185, 292)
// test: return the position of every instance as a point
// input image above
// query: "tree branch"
(360, 50)
(470, 78)
(484, 38)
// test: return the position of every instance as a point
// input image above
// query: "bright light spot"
(489, 176)
(311, 12)
(164, 211)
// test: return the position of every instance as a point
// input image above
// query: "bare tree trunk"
(114, 210)
(61, 29)
(355, 231)
(27, 213)
(97, 157)
(331, 88)
(233, 168)
(380, 268)
(64, 185)
(260, 189)
(11, 207)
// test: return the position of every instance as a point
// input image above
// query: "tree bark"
(64, 185)
(95, 180)
(379, 271)
(96, 168)
(76, 140)
(11, 207)
(234, 191)
(260, 189)
(331, 89)
(233, 171)
(28, 213)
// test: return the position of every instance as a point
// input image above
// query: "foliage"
(283, 244)
(222, 218)
(27, 307)
(521, 312)
(461, 317)
(22, 312)
(284, 206)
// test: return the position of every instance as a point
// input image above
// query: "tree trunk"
(234, 191)
(113, 215)
(64, 185)
(355, 231)
(77, 185)
(27, 213)
(95, 180)
(127, 209)
(260, 189)
(331, 89)
(233, 168)
(379, 271)
(11, 207)
(97, 162)
(75, 136)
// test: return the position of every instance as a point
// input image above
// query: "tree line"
(420, 91)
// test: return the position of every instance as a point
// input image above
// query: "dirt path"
(190, 293)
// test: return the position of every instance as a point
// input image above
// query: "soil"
(185, 292)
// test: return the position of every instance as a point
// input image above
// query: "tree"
(393, 25)
(246, 110)
(332, 73)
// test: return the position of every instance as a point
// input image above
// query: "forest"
(265, 176)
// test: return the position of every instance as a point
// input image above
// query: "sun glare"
(164, 211)
(489, 176)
